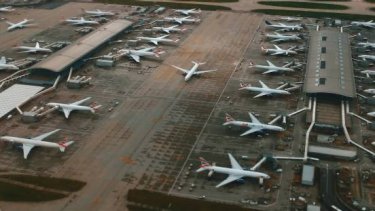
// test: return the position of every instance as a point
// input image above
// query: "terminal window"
(322, 64)
(322, 81)
(324, 49)
(324, 38)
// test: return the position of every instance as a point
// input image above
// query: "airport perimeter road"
(150, 133)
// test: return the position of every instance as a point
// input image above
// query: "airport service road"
(150, 133)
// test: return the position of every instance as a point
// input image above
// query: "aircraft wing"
(28, 51)
(135, 57)
(277, 53)
(147, 49)
(154, 41)
(263, 84)
(278, 40)
(9, 23)
(277, 47)
(254, 119)
(26, 149)
(261, 94)
(270, 64)
(252, 130)
(81, 101)
(270, 71)
(66, 111)
(234, 163)
(204, 71)
(166, 30)
(229, 179)
(45, 135)
(179, 68)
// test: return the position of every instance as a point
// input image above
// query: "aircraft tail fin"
(64, 144)
(3, 60)
(228, 118)
(95, 107)
(268, 23)
(176, 40)
(158, 52)
(251, 64)
(204, 164)
(243, 85)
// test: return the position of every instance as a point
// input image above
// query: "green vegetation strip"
(47, 182)
(216, 1)
(165, 4)
(307, 5)
(11, 192)
(160, 201)
(332, 0)
(372, 9)
(315, 14)
(370, 1)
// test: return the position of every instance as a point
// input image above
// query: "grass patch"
(372, 9)
(315, 14)
(332, 0)
(217, 1)
(164, 4)
(11, 192)
(370, 1)
(48, 182)
(307, 5)
(161, 201)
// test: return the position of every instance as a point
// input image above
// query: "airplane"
(370, 91)
(372, 114)
(80, 21)
(156, 40)
(271, 68)
(168, 29)
(6, 9)
(368, 24)
(37, 48)
(368, 72)
(367, 57)
(193, 70)
(264, 90)
(67, 108)
(5, 66)
(367, 44)
(99, 13)
(255, 125)
(19, 25)
(276, 37)
(279, 51)
(284, 27)
(235, 173)
(136, 54)
(182, 20)
(30, 143)
(290, 19)
(188, 12)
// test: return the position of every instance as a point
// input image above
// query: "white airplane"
(290, 19)
(19, 25)
(271, 68)
(5, 66)
(30, 143)
(156, 40)
(264, 90)
(99, 13)
(368, 72)
(370, 91)
(367, 57)
(168, 29)
(367, 44)
(188, 12)
(67, 108)
(182, 20)
(372, 114)
(80, 21)
(368, 24)
(192, 71)
(136, 54)
(37, 48)
(284, 27)
(235, 173)
(276, 37)
(6, 9)
(255, 125)
(279, 51)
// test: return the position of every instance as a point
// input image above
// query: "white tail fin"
(3, 60)
(64, 144)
